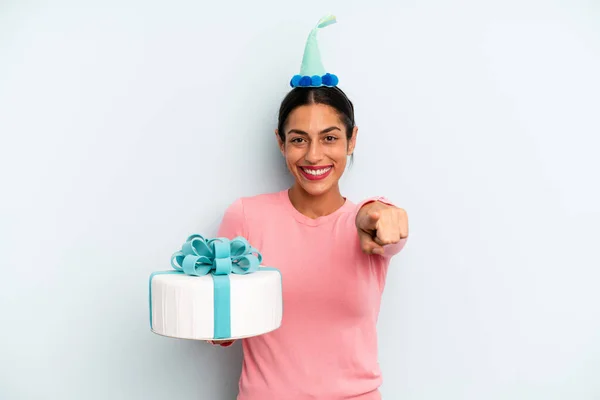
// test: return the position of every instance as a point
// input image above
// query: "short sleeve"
(234, 221)
(391, 249)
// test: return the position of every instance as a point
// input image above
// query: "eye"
(296, 140)
(330, 138)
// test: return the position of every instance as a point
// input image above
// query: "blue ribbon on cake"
(219, 257)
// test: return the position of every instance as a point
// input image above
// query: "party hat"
(312, 72)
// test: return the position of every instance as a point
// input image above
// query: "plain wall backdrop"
(126, 126)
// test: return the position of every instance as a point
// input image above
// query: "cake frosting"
(183, 306)
(216, 290)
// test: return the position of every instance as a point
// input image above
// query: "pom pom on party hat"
(312, 73)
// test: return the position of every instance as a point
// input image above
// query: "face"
(315, 147)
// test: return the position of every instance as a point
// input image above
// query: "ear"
(352, 142)
(280, 143)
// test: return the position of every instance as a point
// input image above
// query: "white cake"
(183, 306)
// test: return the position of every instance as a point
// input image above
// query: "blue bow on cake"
(220, 257)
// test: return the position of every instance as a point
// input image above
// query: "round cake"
(210, 307)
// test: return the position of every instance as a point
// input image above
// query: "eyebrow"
(300, 132)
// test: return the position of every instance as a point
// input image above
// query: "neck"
(316, 206)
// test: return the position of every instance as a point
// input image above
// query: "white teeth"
(316, 172)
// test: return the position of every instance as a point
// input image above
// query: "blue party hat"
(312, 72)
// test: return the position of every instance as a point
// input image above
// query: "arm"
(382, 227)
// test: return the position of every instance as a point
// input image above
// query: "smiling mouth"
(315, 173)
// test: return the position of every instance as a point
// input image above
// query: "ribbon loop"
(219, 256)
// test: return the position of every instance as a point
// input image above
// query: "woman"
(333, 256)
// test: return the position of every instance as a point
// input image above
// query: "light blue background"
(127, 125)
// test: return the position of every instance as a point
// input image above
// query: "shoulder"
(254, 205)
(262, 200)
(245, 214)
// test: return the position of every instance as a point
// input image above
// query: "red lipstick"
(320, 171)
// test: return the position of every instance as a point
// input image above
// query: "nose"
(314, 154)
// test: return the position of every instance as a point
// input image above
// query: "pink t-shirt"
(326, 347)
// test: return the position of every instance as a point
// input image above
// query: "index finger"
(372, 219)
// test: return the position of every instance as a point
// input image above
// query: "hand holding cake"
(222, 343)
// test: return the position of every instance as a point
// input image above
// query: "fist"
(379, 224)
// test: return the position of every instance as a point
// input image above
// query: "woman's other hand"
(379, 224)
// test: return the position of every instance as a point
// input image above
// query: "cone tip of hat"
(326, 21)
